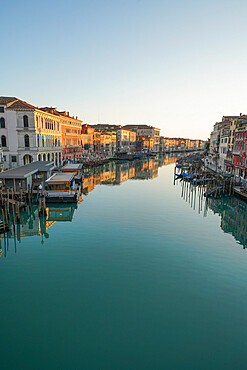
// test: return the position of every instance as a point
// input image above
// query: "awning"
(228, 165)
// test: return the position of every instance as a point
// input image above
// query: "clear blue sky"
(179, 65)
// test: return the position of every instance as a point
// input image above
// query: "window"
(26, 141)
(1, 109)
(3, 141)
(13, 158)
(25, 121)
(2, 122)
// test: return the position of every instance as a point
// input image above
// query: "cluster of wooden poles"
(12, 202)
(194, 171)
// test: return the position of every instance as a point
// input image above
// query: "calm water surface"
(144, 274)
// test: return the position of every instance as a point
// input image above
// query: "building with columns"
(71, 131)
(28, 133)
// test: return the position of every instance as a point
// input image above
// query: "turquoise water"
(143, 274)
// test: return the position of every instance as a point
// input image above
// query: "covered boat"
(76, 168)
(62, 188)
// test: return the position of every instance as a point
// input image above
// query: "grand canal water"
(143, 274)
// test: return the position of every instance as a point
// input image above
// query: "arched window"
(48, 157)
(2, 122)
(25, 121)
(44, 157)
(26, 141)
(3, 141)
(39, 157)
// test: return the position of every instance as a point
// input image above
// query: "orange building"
(87, 137)
(144, 143)
(71, 133)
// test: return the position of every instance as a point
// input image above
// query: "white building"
(28, 134)
(223, 145)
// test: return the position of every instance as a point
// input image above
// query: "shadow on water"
(232, 211)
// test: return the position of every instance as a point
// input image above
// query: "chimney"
(241, 114)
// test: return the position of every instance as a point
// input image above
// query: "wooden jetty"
(192, 169)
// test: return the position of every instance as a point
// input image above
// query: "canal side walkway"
(240, 190)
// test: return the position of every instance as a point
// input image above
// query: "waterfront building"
(105, 141)
(233, 125)
(171, 143)
(162, 145)
(27, 176)
(146, 131)
(215, 142)
(189, 144)
(28, 133)
(144, 144)
(87, 138)
(126, 140)
(70, 134)
(240, 150)
(106, 144)
(223, 145)
(182, 144)
(222, 141)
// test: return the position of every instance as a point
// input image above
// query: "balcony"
(22, 128)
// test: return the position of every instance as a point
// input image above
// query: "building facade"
(146, 131)
(28, 133)
(70, 133)
(240, 150)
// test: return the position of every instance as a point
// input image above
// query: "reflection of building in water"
(169, 159)
(30, 224)
(147, 170)
(61, 212)
(233, 212)
(112, 173)
(33, 225)
(115, 173)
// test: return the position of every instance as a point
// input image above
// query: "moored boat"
(62, 188)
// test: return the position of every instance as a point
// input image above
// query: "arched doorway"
(27, 159)
(39, 157)
(44, 157)
(48, 156)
